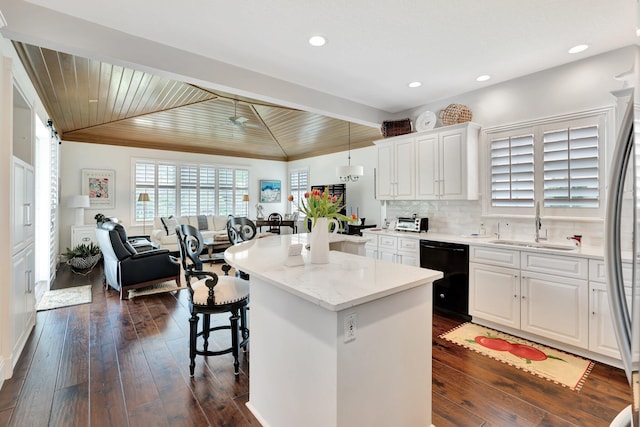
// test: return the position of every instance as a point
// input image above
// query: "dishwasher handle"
(442, 248)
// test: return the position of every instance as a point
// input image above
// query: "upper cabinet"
(440, 164)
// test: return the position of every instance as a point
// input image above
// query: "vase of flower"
(321, 209)
(319, 240)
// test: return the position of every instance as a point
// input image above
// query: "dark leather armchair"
(125, 268)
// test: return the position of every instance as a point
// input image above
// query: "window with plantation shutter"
(512, 173)
(557, 161)
(189, 189)
(571, 169)
(298, 185)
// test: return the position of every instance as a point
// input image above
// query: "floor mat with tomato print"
(554, 365)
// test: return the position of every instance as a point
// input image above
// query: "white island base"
(303, 373)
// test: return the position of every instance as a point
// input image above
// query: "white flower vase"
(319, 240)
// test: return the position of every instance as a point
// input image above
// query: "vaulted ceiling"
(96, 102)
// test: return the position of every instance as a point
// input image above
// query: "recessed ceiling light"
(483, 78)
(317, 41)
(579, 48)
(415, 84)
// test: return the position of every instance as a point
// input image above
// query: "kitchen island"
(340, 344)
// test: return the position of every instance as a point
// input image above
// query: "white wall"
(77, 156)
(360, 194)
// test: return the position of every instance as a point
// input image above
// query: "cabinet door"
(371, 251)
(494, 294)
(602, 337)
(384, 173)
(427, 180)
(555, 307)
(404, 170)
(83, 234)
(453, 160)
(387, 255)
(22, 298)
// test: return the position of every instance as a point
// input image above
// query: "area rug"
(548, 363)
(65, 297)
(154, 289)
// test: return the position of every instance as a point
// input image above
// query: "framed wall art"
(270, 191)
(100, 185)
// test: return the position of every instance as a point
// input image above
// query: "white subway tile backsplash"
(465, 217)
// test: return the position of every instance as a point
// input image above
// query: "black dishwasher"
(451, 293)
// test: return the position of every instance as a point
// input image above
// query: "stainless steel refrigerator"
(621, 244)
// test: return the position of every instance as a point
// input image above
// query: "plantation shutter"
(207, 190)
(571, 168)
(188, 190)
(512, 173)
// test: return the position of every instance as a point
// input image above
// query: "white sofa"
(210, 226)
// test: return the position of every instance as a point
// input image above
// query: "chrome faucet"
(539, 224)
(498, 233)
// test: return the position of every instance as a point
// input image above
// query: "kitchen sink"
(536, 245)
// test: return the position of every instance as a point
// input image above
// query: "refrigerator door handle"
(613, 260)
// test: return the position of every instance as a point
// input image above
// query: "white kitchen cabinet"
(447, 163)
(408, 252)
(22, 298)
(83, 234)
(439, 164)
(555, 307)
(602, 338)
(494, 294)
(23, 204)
(395, 175)
(393, 248)
(539, 293)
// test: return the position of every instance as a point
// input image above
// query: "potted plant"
(83, 256)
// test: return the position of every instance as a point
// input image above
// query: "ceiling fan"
(236, 120)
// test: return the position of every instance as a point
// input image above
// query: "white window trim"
(290, 207)
(605, 117)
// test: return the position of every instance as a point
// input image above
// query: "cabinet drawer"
(598, 271)
(411, 245)
(494, 256)
(387, 242)
(555, 264)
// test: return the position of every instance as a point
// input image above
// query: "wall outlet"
(350, 327)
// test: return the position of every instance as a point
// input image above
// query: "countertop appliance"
(451, 293)
(626, 319)
(414, 224)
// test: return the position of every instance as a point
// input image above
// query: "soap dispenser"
(483, 231)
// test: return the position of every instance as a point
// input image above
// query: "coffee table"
(215, 250)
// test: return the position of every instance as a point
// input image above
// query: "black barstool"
(212, 294)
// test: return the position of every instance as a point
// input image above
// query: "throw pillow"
(202, 223)
(170, 224)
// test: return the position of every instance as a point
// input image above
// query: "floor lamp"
(245, 198)
(144, 198)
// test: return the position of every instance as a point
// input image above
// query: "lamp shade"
(344, 171)
(143, 197)
(245, 197)
(79, 201)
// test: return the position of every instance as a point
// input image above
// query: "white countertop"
(583, 251)
(347, 280)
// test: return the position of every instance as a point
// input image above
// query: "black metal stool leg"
(243, 323)
(206, 328)
(235, 344)
(193, 335)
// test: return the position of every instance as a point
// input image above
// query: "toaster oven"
(412, 224)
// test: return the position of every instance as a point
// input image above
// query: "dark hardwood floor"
(125, 363)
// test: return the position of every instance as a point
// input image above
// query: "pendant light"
(349, 173)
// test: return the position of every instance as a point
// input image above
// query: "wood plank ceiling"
(96, 102)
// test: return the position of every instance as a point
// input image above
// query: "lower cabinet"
(396, 249)
(550, 305)
(602, 337)
(22, 298)
(494, 294)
